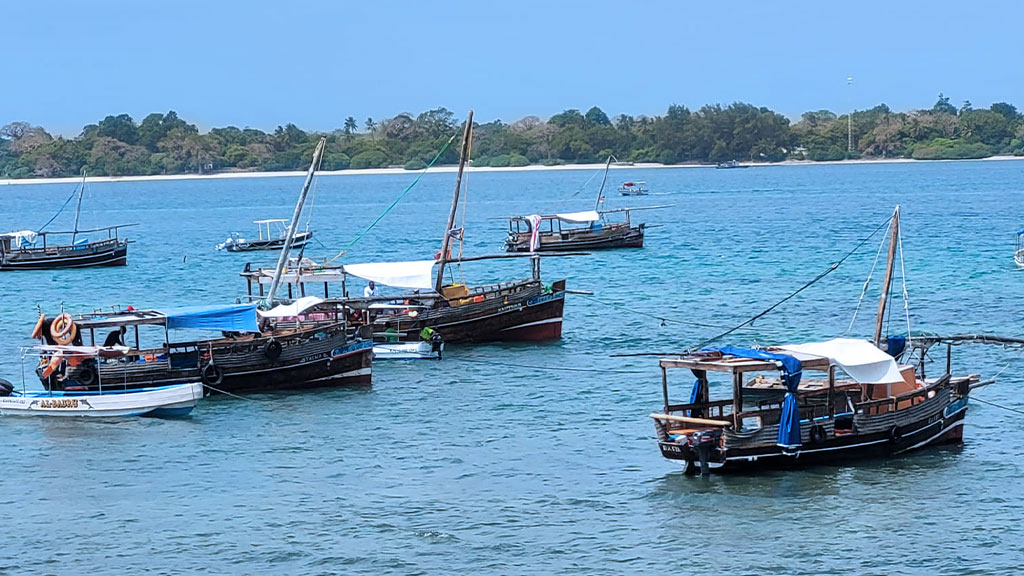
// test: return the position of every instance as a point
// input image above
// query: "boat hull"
(99, 254)
(624, 237)
(407, 351)
(298, 242)
(315, 357)
(163, 401)
(943, 425)
(528, 315)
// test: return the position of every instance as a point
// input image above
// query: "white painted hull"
(405, 351)
(175, 400)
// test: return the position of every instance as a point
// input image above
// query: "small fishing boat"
(1018, 253)
(106, 399)
(591, 230)
(595, 229)
(633, 189)
(49, 250)
(730, 164)
(272, 235)
(882, 408)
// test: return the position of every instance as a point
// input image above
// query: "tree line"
(167, 144)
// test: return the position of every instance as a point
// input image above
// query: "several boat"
(271, 235)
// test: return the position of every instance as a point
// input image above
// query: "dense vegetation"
(167, 144)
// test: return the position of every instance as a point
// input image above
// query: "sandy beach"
(450, 169)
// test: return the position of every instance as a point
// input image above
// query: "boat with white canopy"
(789, 408)
(595, 229)
(1018, 253)
(431, 297)
(271, 233)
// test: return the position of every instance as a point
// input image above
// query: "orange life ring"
(63, 329)
(37, 332)
(53, 365)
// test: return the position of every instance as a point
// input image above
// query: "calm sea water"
(529, 458)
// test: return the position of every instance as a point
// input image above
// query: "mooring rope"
(240, 397)
(394, 203)
(662, 319)
(997, 405)
(553, 368)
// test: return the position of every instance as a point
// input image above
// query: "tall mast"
(607, 165)
(78, 211)
(887, 282)
(467, 138)
(282, 260)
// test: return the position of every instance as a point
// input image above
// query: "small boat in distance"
(573, 231)
(730, 164)
(272, 235)
(1018, 253)
(633, 189)
(35, 249)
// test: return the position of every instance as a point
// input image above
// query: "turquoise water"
(529, 458)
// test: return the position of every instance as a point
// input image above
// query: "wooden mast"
(467, 137)
(78, 211)
(894, 237)
(282, 259)
(607, 165)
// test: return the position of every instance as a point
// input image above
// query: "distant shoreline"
(452, 169)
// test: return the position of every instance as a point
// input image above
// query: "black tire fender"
(272, 350)
(212, 375)
(818, 434)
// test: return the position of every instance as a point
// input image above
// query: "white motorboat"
(1018, 253)
(174, 400)
(407, 350)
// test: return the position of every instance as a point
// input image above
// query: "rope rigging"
(63, 206)
(394, 203)
(792, 295)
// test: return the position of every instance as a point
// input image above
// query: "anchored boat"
(634, 189)
(42, 250)
(786, 407)
(108, 398)
(589, 230)
(524, 309)
(271, 233)
(1018, 253)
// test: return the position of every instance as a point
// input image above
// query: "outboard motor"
(6, 388)
(703, 442)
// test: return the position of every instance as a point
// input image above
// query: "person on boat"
(115, 338)
(371, 290)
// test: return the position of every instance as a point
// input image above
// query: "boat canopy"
(859, 358)
(231, 318)
(21, 237)
(1020, 232)
(293, 309)
(415, 274)
(579, 217)
(269, 221)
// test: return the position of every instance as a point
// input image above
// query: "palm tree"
(370, 126)
(350, 127)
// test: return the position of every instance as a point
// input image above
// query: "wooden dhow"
(881, 408)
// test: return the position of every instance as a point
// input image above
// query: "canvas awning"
(579, 217)
(416, 274)
(291, 310)
(231, 318)
(859, 358)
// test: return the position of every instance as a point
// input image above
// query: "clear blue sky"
(261, 63)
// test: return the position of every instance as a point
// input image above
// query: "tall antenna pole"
(467, 138)
(894, 237)
(849, 124)
(78, 211)
(282, 260)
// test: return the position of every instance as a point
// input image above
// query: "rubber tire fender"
(212, 375)
(818, 434)
(272, 350)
